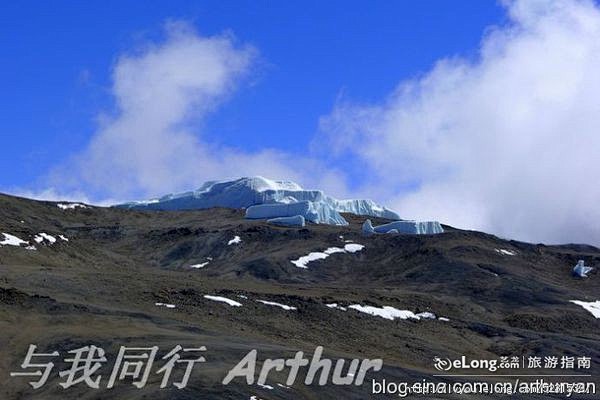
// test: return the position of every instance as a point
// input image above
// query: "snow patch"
(426, 315)
(390, 313)
(11, 240)
(63, 238)
(303, 261)
(386, 312)
(505, 252)
(40, 237)
(236, 239)
(591, 306)
(165, 305)
(336, 306)
(268, 387)
(70, 206)
(443, 319)
(333, 250)
(353, 247)
(201, 265)
(272, 303)
(232, 303)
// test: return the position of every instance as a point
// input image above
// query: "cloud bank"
(154, 143)
(507, 142)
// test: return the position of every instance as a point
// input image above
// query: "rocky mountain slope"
(101, 282)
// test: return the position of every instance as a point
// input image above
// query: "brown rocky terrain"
(101, 287)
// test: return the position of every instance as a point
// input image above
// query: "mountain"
(123, 277)
(314, 205)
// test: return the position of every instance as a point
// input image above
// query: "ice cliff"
(410, 227)
(581, 270)
(297, 220)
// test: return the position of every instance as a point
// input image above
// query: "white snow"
(272, 303)
(256, 191)
(337, 306)
(232, 303)
(269, 387)
(386, 312)
(333, 250)
(30, 248)
(426, 315)
(505, 252)
(165, 305)
(64, 238)
(241, 296)
(591, 306)
(443, 319)
(40, 237)
(11, 240)
(70, 206)
(303, 261)
(581, 270)
(201, 265)
(392, 313)
(353, 247)
(235, 240)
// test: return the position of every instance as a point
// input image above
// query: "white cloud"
(154, 143)
(51, 194)
(508, 142)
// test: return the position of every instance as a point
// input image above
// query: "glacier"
(284, 203)
(581, 270)
(407, 227)
(265, 198)
(311, 211)
(296, 220)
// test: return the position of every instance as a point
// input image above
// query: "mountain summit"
(314, 205)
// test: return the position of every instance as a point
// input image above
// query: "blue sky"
(57, 57)
(480, 114)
